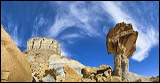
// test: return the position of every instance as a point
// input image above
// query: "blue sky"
(81, 28)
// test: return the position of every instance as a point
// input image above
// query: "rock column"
(121, 40)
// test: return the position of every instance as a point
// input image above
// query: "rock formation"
(48, 66)
(45, 52)
(121, 41)
(155, 79)
(43, 44)
(71, 75)
(14, 65)
(44, 62)
(101, 74)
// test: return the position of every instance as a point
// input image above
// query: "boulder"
(58, 63)
(59, 78)
(116, 79)
(71, 74)
(101, 74)
(87, 80)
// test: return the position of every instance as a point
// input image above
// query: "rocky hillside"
(43, 53)
(42, 61)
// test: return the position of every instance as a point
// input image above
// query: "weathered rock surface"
(58, 63)
(14, 65)
(71, 74)
(101, 74)
(121, 40)
(116, 79)
(135, 77)
(45, 52)
(44, 43)
(47, 65)
(155, 79)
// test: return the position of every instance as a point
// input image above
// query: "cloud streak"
(12, 29)
(69, 36)
(84, 19)
(74, 14)
(84, 16)
(147, 38)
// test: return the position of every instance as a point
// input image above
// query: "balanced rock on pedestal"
(121, 41)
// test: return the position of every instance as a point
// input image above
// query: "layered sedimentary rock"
(121, 41)
(14, 64)
(45, 52)
(63, 69)
(43, 44)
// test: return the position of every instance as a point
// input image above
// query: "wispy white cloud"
(12, 29)
(37, 24)
(147, 38)
(64, 52)
(145, 42)
(85, 17)
(69, 36)
(60, 25)
(77, 16)
(74, 14)
(14, 35)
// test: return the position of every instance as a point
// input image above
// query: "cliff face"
(43, 53)
(14, 65)
(48, 65)
(44, 44)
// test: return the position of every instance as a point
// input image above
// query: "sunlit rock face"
(44, 53)
(121, 41)
(14, 64)
(44, 44)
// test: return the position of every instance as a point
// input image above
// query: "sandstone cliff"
(49, 66)
(45, 52)
(14, 65)
(43, 44)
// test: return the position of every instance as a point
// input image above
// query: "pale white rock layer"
(58, 62)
